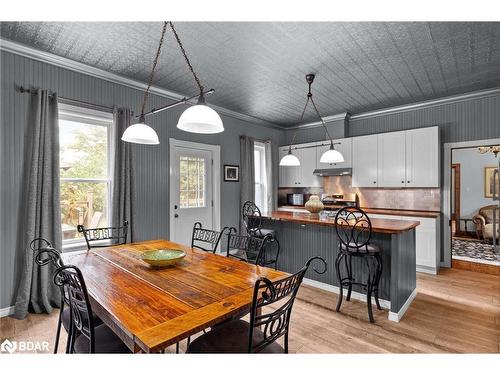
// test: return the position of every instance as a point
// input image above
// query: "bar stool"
(354, 230)
(251, 211)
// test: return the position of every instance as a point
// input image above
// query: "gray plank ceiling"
(258, 68)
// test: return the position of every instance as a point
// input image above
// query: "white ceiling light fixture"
(331, 155)
(290, 160)
(199, 118)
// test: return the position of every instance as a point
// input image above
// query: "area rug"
(474, 250)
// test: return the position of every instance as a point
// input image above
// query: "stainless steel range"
(336, 201)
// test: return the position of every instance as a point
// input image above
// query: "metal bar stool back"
(354, 232)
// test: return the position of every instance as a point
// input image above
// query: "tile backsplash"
(427, 199)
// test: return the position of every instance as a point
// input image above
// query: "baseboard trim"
(335, 289)
(6, 311)
(426, 269)
(396, 317)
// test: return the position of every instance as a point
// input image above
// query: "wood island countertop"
(378, 225)
(382, 211)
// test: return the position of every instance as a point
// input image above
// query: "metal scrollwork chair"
(252, 220)
(265, 327)
(206, 236)
(354, 230)
(45, 254)
(262, 251)
(84, 336)
(94, 236)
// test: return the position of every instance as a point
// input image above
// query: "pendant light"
(290, 160)
(199, 118)
(140, 132)
(329, 156)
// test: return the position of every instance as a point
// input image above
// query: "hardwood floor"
(455, 312)
(475, 267)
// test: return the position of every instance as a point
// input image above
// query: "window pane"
(83, 203)
(192, 182)
(83, 150)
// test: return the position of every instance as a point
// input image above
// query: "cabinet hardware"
(402, 182)
(176, 215)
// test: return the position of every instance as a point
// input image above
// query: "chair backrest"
(92, 235)
(45, 254)
(71, 279)
(281, 294)
(250, 210)
(206, 236)
(252, 247)
(354, 229)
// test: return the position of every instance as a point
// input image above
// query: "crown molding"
(428, 103)
(63, 62)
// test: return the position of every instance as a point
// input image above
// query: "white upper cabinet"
(422, 157)
(288, 175)
(301, 176)
(391, 159)
(364, 161)
(308, 165)
(344, 147)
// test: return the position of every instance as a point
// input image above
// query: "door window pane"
(192, 182)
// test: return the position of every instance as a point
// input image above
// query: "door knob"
(175, 207)
(176, 215)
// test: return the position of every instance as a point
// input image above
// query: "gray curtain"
(247, 174)
(41, 212)
(123, 179)
(272, 175)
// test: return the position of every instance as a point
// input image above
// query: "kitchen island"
(302, 236)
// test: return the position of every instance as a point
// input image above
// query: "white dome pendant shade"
(331, 156)
(200, 119)
(290, 160)
(140, 133)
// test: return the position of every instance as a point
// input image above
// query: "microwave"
(295, 199)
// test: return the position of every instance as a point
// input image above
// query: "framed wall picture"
(489, 182)
(231, 173)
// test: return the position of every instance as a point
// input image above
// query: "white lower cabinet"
(427, 241)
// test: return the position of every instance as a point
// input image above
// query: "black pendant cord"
(151, 75)
(186, 58)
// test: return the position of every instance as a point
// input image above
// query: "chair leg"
(377, 279)
(369, 293)
(177, 347)
(286, 342)
(348, 266)
(58, 332)
(339, 278)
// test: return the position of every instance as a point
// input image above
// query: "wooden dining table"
(153, 308)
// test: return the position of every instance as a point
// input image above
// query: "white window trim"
(89, 116)
(263, 177)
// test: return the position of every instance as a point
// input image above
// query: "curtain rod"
(68, 100)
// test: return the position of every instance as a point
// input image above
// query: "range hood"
(323, 172)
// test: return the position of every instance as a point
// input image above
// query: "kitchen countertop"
(383, 211)
(378, 225)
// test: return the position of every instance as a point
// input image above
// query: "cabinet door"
(287, 175)
(422, 157)
(307, 166)
(364, 161)
(345, 148)
(392, 159)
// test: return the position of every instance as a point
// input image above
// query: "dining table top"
(153, 308)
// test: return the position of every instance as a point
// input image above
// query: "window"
(192, 182)
(85, 173)
(260, 176)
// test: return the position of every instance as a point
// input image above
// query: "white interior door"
(191, 190)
